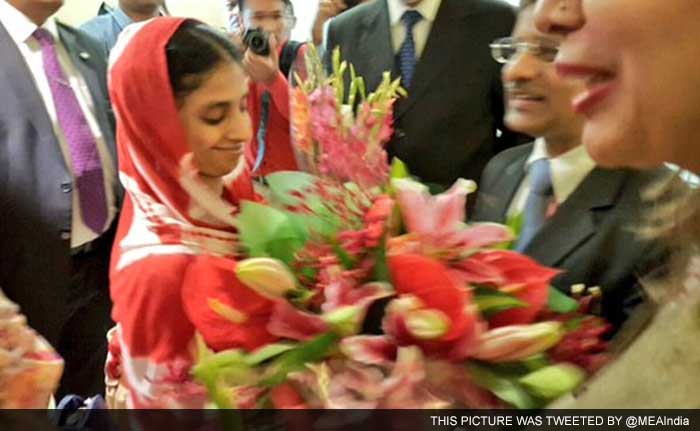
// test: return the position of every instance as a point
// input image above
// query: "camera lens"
(257, 41)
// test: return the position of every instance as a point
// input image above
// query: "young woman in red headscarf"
(179, 93)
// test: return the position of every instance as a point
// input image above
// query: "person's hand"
(330, 8)
(327, 9)
(263, 69)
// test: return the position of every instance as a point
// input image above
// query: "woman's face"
(216, 121)
(640, 63)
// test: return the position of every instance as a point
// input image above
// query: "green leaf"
(297, 358)
(283, 184)
(435, 188)
(522, 367)
(220, 371)
(561, 303)
(268, 232)
(505, 388)
(399, 169)
(515, 223)
(267, 352)
(345, 320)
(343, 256)
(381, 266)
(491, 301)
(553, 381)
(573, 324)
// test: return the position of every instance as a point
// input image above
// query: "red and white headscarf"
(168, 209)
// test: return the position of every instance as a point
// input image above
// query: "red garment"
(279, 155)
(176, 242)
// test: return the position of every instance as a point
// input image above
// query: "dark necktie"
(538, 200)
(407, 52)
(85, 159)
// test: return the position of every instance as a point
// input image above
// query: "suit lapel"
(504, 188)
(376, 33)
(578, 217)
(449, 22)
(17, 82)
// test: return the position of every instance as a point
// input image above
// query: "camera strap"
(288, 56)
(262, 130)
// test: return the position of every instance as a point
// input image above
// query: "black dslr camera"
(257, 41)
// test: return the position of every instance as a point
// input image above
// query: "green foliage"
(503, 386)
(553, 381)
(492, 301)
(296, 359)
(561, 303)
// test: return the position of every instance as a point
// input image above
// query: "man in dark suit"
(447, 127)
(573, 215)
(59, 192)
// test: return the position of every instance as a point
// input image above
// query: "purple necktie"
(87, 167)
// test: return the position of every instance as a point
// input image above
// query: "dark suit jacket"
(591, 236)
(36, 185)
(446, 128)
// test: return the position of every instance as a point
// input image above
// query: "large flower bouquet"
(29, 368)
(383, 296)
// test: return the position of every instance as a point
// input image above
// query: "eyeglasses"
(503, 50)
(255, 19)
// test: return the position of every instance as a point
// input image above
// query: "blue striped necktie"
(541, 193)
(407, 52)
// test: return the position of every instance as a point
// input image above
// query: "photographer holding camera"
(266, 27)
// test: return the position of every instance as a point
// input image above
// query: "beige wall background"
(76, 12)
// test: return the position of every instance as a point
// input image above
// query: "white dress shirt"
(421, 31)
(568, 170)
(20, 28)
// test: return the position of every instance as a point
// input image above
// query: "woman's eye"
(213, 121)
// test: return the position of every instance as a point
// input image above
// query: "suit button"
(65, 235)
(66, 187)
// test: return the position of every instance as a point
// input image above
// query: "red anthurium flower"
(226, 312)
(521, 276)
(433, 310)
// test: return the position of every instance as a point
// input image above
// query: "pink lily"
(437, 222)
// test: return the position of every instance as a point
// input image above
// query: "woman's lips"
(232, 148)
(600, 85)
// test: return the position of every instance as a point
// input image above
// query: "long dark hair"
(193, 52)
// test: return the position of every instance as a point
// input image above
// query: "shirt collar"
(19, 27)
(427, 8)
(568, 170)
(121, 18)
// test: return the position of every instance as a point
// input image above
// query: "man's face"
(538, 100)
(30, 7)
(273, 16)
